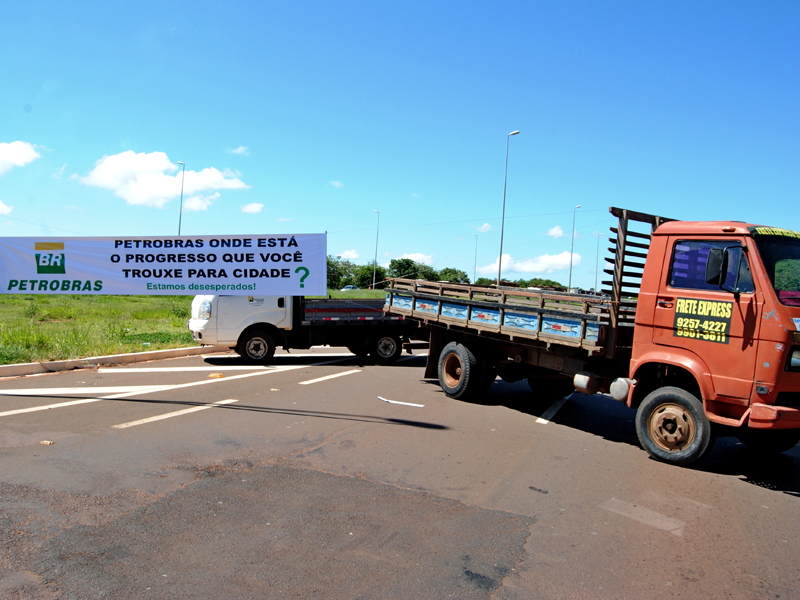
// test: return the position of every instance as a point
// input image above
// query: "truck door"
(236, 313)
(719, 326)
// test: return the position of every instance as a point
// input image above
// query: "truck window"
(688, 268)
(780, 253)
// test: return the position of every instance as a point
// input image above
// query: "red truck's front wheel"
(672, 426)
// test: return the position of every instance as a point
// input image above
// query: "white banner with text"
(238, 265)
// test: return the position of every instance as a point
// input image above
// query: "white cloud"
(284, 220)
(546, 263)
(142, 180)
(16, 154)
(199, 202)
(349, 254)
(240, 150)
(337, 184)
(253, 208)
(555, 232)
(484, 228)
(5, 210)
(59, 173)
(425, 259)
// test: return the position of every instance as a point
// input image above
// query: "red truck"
(698, 329)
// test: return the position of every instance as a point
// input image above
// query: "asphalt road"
(326, 476)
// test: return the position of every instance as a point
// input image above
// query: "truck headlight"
(205, 310)
(794, 360)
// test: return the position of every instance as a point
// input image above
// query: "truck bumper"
(766, 416)
(200, 334)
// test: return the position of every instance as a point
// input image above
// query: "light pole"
(475, 267)
(503, 219)
(571, 246)
(180, 214)
(375, 264)
(597, 263)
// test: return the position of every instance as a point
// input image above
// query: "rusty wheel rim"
(672, 427)
(452, 369)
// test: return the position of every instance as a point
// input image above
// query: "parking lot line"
(334, 376)
(65, 391)
(177, 413)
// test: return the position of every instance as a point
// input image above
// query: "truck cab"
(719, 316)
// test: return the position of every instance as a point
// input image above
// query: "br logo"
(47, 260)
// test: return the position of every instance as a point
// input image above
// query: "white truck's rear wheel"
(387, 349)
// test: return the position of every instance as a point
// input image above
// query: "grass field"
(56, 327)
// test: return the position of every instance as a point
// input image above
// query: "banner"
(240, 265)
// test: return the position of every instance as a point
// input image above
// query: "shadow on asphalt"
(614, 421)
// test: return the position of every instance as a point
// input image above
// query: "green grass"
(35, 328)
(44, 327)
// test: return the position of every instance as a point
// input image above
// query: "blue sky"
(304, 117)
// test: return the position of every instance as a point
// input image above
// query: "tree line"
(342, 272)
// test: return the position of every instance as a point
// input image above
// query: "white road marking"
(149, 390)
(403, 403)
(180, 369)
(551, 412)
(645, 515)
(77, 390)
(334, 376)
(177, 413)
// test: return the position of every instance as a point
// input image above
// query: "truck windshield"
(780, 253)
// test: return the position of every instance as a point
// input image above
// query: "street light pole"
(475, 267)
(571, 246)
(180, 214)
(503, 219)
(597, 263)
(375, 264)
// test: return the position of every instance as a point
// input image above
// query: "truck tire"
(386, 349)
(256, 346)
(461, 374)
(672, 426)
(769, 442)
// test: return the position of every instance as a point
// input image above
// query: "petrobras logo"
(49, 260)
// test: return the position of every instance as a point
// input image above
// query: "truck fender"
(646, 366)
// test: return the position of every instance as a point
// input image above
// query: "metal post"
(475, 267)
(503, 219)
(375, 263)
(571, 246)
(180, 214)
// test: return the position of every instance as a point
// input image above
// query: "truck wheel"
(769, 442)
(460, 373)
(256, 346)
(672, 426)
(387, 349)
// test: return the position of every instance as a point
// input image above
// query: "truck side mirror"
(729, 281)
(714, 266)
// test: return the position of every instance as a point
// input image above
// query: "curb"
(82, 363)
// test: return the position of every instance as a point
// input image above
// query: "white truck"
(254, 326)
